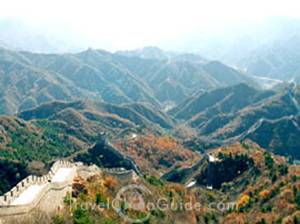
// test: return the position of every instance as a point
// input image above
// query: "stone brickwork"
(7, 209)
(50, 198)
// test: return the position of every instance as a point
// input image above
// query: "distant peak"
(148, 52)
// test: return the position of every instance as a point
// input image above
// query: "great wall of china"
(46, 193)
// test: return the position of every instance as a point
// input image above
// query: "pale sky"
(121, 24)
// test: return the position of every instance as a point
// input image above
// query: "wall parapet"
(18, 189)
(8, 209)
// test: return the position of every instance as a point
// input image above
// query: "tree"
(262, 221)
(269, 162)
(99, 199)
(81, 216)
(297, 197)
(283, 169)
(243, 202)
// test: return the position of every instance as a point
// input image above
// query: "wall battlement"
(15, 192)
(52, 193)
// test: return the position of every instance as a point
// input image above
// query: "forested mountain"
(28, 80)
(133, 114)
(222, 116)
(37, 137)
(215, 101)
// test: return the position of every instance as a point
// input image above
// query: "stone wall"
(47, 205)
(120, 173)
(50, 198)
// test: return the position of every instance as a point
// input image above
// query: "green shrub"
(58, 219)
(297, 197)
(81, 216)
(154, 181)
(108, 221)
(294, 178)
(283, 169)
(262, 221)
(266, 208)
(269, 162)
(68, 199)
(100, 200)
(273, 177)
(158, 213)
(296, 220)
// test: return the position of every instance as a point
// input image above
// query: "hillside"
(279, 136)
(135, 136)
(134, 114)
(223, 100)
(30, 79)
(262, 188)
(27, 147)
(260, 184)
(31, 141)
(251, 184)
(222, 116)
(179, 76)
(157, 155)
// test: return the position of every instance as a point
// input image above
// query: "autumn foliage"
(158, 153)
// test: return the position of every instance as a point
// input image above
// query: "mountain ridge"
(31, 79)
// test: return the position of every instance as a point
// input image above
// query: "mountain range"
(186, 125)
(206, 101)
(268, 48)
(223, 116)
(29, 79)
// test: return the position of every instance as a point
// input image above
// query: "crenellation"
(9, 196)
(60, 188)
(2, 199)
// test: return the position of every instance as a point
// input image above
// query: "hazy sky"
(119, 24)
